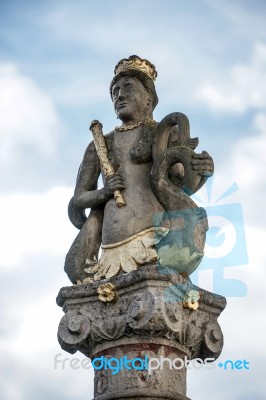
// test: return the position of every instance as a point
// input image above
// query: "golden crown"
(137, 63)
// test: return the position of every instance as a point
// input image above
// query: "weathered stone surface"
(165, 383)
(134, 298)
(148, 313)
(155, 169)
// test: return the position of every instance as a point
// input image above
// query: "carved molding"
(150, 307)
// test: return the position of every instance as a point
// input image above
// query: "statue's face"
(132, 103)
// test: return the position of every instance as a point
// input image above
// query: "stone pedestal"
(162, 383)
(148, 313)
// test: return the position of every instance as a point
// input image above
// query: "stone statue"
(134, 300)
(156, 170)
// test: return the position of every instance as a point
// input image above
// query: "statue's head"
(132, 88)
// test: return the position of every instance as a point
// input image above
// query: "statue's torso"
(141, 203)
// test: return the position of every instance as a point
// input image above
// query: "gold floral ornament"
(191, 300)
(107, 293)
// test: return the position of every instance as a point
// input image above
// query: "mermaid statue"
(154, 169)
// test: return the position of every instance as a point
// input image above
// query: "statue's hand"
(113, 182)
(202, 164)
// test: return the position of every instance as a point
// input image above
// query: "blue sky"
(56, 63)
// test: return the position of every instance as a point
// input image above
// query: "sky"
(56, 63)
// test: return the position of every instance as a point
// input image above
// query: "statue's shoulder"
(109, 138)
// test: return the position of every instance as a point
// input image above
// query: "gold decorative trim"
(137, 63)
(160, 232)
(128, 127)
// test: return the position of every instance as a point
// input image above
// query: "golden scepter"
(100, 145)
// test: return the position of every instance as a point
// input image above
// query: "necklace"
(128, 127)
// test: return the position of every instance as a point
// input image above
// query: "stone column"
(145, 313)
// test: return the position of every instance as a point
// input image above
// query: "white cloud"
(243, 325)
(184, 48)
(47, 229)
(243, 322)
(34, 224)
(248, 157)
(244, 88)
(28, 116)
(246, 167)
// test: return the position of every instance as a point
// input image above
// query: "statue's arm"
(86, 194)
